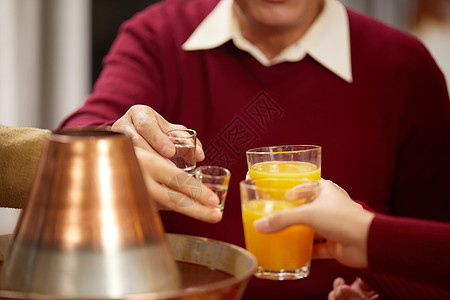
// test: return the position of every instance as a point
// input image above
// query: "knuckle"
(136, 140)
(142, 124)
(136, 107)
(178, 126)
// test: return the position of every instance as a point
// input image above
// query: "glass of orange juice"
(288, 161)
(286, 164)
(283, 255)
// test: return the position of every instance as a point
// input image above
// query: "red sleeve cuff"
(365, 206)
(411, 248)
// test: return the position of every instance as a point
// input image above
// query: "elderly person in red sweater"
(249, 73)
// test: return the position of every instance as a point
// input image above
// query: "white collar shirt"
(327, 40)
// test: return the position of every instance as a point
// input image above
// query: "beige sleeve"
(20, 150)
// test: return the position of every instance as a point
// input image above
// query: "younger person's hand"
(358, 290)
(334, 216)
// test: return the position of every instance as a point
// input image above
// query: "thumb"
(281, 220)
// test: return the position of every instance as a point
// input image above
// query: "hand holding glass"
(286, 166)
(284, 255)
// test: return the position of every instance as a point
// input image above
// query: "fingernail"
(202, 154)
(216, 216)
(166, 151)
(261, 224)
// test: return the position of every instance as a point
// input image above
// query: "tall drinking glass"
(284, 162)
(284, 255)
(286, 165)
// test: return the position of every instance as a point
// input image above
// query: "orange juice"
(291, 248)
(285, 250)
(288, 173)
(285, 169)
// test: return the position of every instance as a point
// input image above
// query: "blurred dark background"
(107, 16)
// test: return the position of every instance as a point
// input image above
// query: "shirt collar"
(327, 40)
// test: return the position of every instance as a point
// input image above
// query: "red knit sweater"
(385, 137)
(412, 250)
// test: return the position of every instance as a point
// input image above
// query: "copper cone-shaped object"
(89, 228)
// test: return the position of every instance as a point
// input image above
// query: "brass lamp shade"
(89, 229)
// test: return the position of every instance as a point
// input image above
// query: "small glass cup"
(216, 179)
(284, 255)
(185, 141)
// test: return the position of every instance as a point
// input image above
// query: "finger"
(365, 289)
(164, 172)
(345, 292)
(173, 200)
(340, 294)
(191, 187)
(336, 293)
(153, 130)
(357, 283)
(199, 154)
(332, 295)
(280, 220)
(335, 186)
(338, 282)
(308, 191)
(125, 126)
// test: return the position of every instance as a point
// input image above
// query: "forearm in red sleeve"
(130, 76)
(409, 248)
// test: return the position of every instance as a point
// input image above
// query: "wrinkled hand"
(173, 189)
(358, 290)
(147, 130)
(332, 215)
